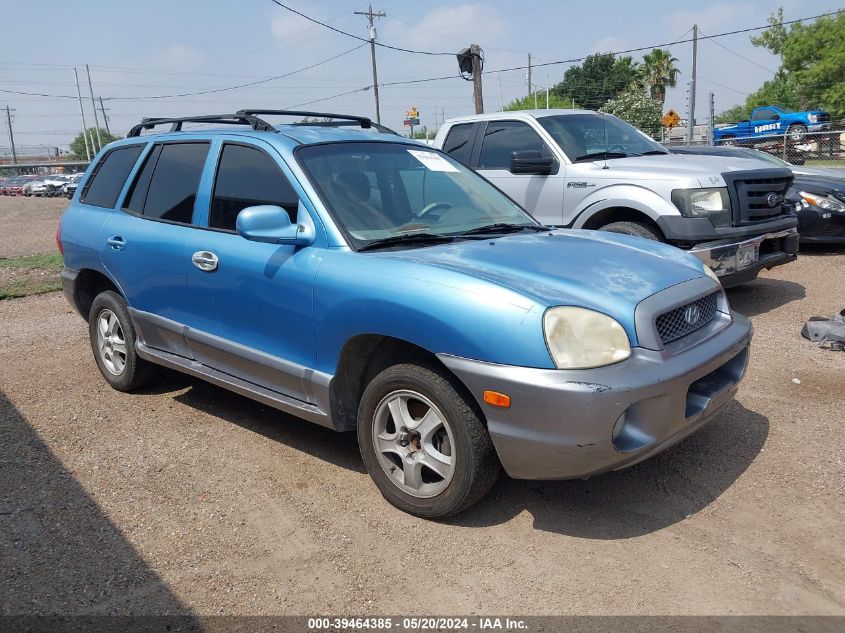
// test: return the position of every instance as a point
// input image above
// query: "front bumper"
(560, 424)
(739, 262)
(821, 225)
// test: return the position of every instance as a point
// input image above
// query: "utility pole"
(529, 74)
(477, 97)
(82, 114)
(94, 106)
(11, 135)
(370, 15)
(691, 121)
(712, 119)
(548, 87)
(105, 118)
(501, 95)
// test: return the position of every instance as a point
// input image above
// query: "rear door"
(146, 240)
(540, 195)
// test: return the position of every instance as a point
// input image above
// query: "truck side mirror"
(532, 162)
(776, 117)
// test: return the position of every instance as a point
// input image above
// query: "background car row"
(47, 186)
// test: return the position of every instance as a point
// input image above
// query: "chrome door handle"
(116, 242)
(205, 261)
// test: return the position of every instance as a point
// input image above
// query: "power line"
(718, 43)
(246, 85)
(352, 35)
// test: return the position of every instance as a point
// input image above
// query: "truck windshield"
(396, 194)
(594, 136)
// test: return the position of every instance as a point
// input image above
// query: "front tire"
(423, 442)
(639, 229)
(797, 132)
(113, 343)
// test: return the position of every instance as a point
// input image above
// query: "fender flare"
(632, 197)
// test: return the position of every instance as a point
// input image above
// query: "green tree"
(659, 72)
(812, 70)
(77, 145)
(638, 109)
(601, 77)
(527, 103)
(733, 115)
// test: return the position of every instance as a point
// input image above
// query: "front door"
(542, 196)
(261, 293)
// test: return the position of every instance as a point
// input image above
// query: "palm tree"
(659, 71)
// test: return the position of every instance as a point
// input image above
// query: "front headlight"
(578, 338)
(813, 118)
(712, 203)
(825, 202)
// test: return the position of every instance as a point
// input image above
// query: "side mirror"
(271, 224)
(531, 162)
(776, 117)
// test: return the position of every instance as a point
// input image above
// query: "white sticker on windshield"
(434, 162)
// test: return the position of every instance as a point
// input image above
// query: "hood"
(674, 166)
(819, 173)
(607, 272)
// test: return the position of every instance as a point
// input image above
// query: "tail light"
(59, 238)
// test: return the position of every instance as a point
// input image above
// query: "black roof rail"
(376, 126)
(176, 122)
(363, 121)
(249, 117)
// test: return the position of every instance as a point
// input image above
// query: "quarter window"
(109, 176)
(166, 187)
(502, 138)
(247, 177)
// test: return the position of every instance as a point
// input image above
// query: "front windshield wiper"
(504, 227)
(598, 155)
(654, 152)
(406, 238)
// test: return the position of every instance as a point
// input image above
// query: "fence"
(825, 148)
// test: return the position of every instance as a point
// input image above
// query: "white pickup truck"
(587, 170)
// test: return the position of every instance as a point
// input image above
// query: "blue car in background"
(366, 282)
(769, 121)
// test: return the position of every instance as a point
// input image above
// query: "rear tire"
(639, 229)
(113, 343)
(412, 416)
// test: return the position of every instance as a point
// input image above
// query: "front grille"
(823, 118)
(835, 227)
(687, 319)
(758, 197)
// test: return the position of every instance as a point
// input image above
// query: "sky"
(140, 52)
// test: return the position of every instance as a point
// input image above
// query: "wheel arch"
(89, 283)
(362, 358)
(604, 216)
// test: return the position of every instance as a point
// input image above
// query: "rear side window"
(166, 186)
(247, 177)
(502, 138)
(458, 143)
(109, 176)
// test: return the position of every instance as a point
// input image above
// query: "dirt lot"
(187, 498)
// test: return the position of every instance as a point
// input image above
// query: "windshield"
(592, 136)
(384, 191)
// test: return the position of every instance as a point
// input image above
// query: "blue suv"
(360, 280)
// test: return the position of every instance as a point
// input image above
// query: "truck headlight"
(825, 202)
(813, 118)
(712, 203)
(578, 338)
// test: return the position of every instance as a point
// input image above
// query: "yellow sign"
(413, 113)
(671, 119)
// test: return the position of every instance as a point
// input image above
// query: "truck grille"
(824, 117)
(688, 318)
(757, 197)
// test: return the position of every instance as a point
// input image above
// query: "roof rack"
(249, 117)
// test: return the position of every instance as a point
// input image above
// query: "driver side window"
(763, 115)
(502, 138)
(247, 177)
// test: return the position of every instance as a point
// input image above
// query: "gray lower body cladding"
(576, 424)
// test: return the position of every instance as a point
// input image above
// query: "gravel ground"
(185, 498)
(28, 225)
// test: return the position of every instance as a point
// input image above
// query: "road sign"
(670, 119)
(412, 117)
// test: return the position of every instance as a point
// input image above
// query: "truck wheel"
(632, 228)
(797, 132)
(113, 343)
(729, 140)
(423, 443)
